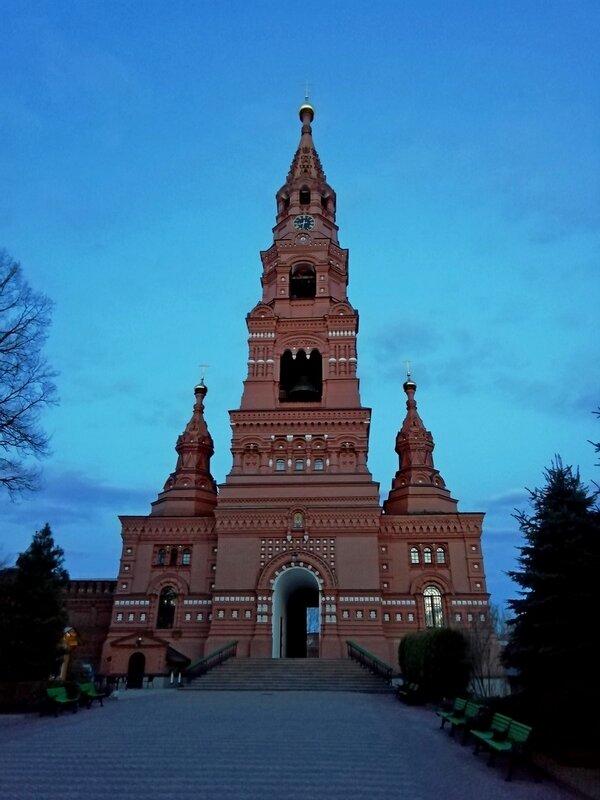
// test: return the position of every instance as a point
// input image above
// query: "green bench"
(457, 708)
(89, 693)
(58, 698)
(409, 693)
(466, 718)
(511, 738)
(497, 731)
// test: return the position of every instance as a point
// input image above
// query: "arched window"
(427, 555)
(186, 557)
(166, 608)
(304, 196)
(303, 281)
(440, 555)
(415, 557)
(432, 600)
(301, 377)
(299, 464)
(173, 557)
(280, 465)
(161, 557)
(319, 465)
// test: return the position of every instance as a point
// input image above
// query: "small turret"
(190, 490)
(418, 487)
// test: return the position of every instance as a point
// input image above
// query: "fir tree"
(553, 633)
(33, 619)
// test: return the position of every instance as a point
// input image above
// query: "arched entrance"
(296, 614)
(135, 671)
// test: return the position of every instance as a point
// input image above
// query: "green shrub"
(438, 660)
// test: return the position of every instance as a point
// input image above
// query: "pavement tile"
(170, 745)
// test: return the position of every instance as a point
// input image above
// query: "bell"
(303, 389)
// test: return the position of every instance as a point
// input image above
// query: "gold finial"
(203, 368)
(306, 105)
(408, 362)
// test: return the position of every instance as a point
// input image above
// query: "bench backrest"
(87, 687)
(58, 693)
(518, 733)
(472, 709)
(459, 704)
(500, 723)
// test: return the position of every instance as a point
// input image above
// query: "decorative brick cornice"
(327, 416)
(448, 525)
(151, 528)
(346, 520)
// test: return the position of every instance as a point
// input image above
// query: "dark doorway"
(135, 671)
(300, 639)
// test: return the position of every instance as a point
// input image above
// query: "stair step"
(284, 674)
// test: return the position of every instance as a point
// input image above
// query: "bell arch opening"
(296, 614)
(301, 377)
(303, 281)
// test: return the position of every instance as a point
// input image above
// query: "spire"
(306, 202)
(306, 164)
(190, 490)
(417, 487)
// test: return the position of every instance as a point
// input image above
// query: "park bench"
(409, 693)
(513, 741)
(89, 693)
(468, 718)
(58, 699)
(497, 731)
(445, 713)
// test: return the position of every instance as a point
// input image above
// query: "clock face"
(304, 222)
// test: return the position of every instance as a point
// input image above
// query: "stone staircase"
(288, 675)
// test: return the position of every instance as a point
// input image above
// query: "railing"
(376, 665)
(213, 659)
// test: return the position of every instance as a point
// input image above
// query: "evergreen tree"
(553, 634)
(33, 617)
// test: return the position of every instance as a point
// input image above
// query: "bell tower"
(300, 419)
(300, 489)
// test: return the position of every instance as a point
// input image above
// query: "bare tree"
(486, 639)
(26, 380)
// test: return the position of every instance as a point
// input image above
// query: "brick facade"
(298, 523)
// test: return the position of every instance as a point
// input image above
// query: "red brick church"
(296, 533)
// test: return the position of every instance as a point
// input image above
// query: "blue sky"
(141, 145)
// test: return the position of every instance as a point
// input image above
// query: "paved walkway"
(169, 745)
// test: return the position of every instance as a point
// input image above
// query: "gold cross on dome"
(306, 91)
(408, 362)
(203, 368)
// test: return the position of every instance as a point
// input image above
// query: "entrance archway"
(135, 671)
(296, 614)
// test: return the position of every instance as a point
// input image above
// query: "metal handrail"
(367, 659)
(203, 665)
